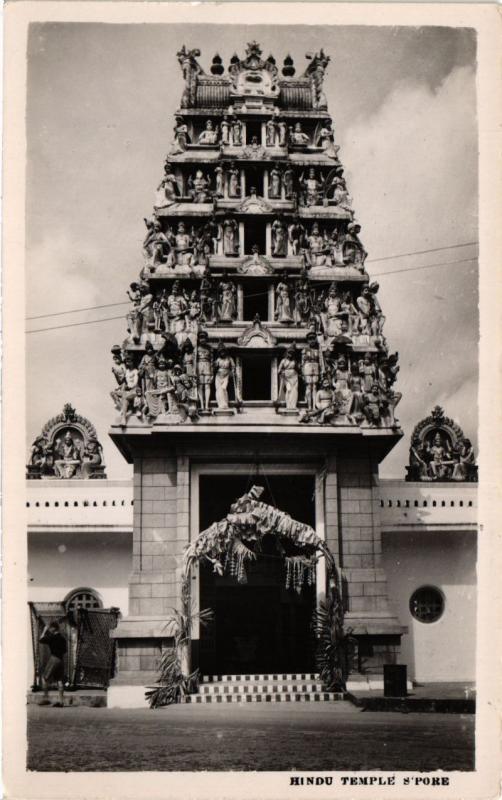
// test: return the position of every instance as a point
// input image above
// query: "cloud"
(412, 170)
(57, 275)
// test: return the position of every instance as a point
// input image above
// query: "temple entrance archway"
(261, 625)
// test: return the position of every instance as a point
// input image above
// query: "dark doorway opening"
(255, 234)
(254, 180)
(260, 626)
(253, 130)
(256, 377)
(255, 300)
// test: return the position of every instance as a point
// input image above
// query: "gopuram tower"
(255, 355)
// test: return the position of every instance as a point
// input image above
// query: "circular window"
(427, 604)
(82, 598)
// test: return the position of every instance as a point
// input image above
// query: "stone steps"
(259, 687)
(276, 697)
(269, 676)
(266, 688)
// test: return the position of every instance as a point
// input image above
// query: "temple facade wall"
(443, 650)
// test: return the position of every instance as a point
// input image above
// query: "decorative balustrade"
(406, 505)
(79, 505)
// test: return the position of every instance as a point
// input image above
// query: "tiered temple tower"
(255, 349)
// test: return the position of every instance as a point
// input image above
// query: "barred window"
(427, 604)
(82, 598)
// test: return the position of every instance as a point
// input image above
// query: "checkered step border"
(297, 676)
(283, 697)
(259, 688)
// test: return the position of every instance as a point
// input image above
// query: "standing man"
(54, 670)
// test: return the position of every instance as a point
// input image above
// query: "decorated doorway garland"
(229, 545)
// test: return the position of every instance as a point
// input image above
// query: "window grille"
(427, 604)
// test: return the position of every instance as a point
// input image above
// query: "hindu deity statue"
(288, 379)
(209, 135)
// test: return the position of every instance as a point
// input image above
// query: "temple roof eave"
(212, 155)
(131, 438)
(288, 206)
(265, 112)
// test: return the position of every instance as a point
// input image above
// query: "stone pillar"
(354, 538)
(241, 239)
(268, 239)
(265, 183)
(243, 184)
(271, 302)
(240, 302)
(160, 532)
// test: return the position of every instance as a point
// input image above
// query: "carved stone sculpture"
(332, 314)
(181, 136)
(183, 246)
(157, 397)
(228, 300)
(271, 132)
(303, 301)
(275, 184)
(317, 248)
(342, 386)
(288, 180)
(198, 187)
(316, 71)
(297, 137)
(128, 393)
(67, 457)
(204, 370)
(177, 309)
(279, 239)
(311, 368)
(353, 251)
(225, 130)
(312, 188)
(230, 237)
(282, 133)
(236, 132)
(219, 181)
(463, 468)
(190, 69)
(288, 380)
(374, 404)
(234, 182)
(296, 236)
(141, 299)
(283, 312)
(68, 447)
(147, 367)
(224, 367)
(325, 406)
(209, 135)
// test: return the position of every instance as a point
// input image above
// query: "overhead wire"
(368, 261)
(257, 294)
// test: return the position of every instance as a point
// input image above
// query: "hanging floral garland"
(225, 543)
(300, 570)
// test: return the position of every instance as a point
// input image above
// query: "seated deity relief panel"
(440, 452)
(67, 448)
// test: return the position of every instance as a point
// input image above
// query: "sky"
(99, 116)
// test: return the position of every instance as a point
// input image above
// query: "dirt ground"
(327, 736)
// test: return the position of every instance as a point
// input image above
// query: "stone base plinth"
(140, 644)
(127, 696)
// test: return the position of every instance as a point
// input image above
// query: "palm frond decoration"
(334, 643)
(174, 681)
